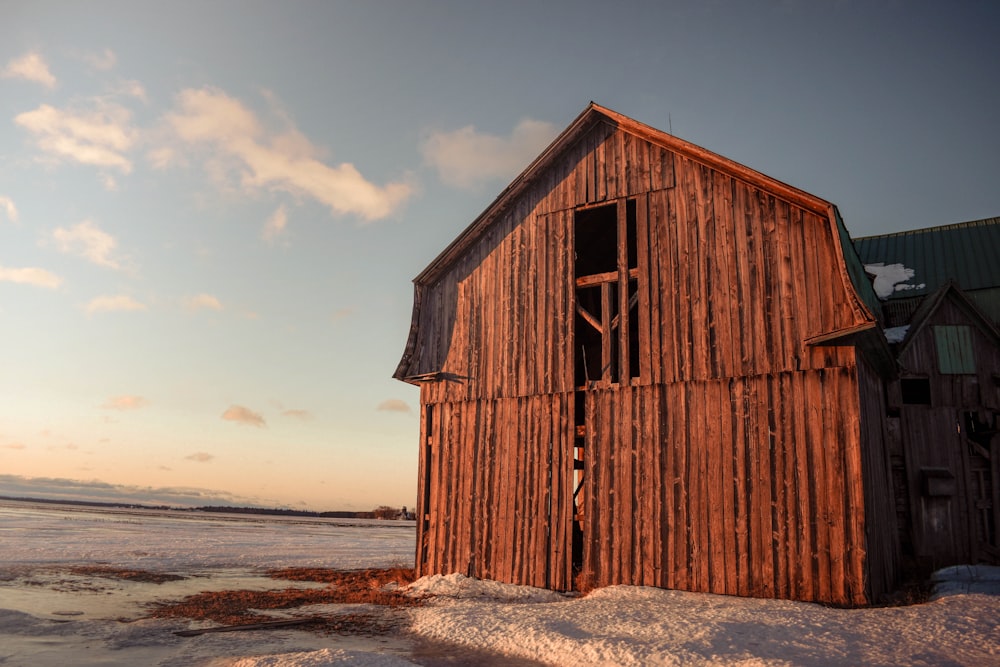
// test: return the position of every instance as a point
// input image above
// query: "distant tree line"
(380, 512)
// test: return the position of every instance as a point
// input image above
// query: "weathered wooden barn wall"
(881, 531)
(499, 490)
(954, 519)
(731, 462)
(741, 488)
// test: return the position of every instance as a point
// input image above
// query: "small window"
(954, 350)
(916, 391)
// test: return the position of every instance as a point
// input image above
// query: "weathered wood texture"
(731, 464)
(740, 488)
(881, 529)
(500, 472)
(957, 527)
(737, 280)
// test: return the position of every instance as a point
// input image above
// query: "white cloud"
(102, 61)
(275, 225)
(162, 157)
(7, 206)
(30, 276)
(200, 457)
(88, 241)
(109, 182)
(467, 158)
(202, 302)
(98, 136)
(342, 313)
(285, 162)
(107, 304)
(239, 414)
(394, 405)
(126, 402)
(133, 88)
(30, 67)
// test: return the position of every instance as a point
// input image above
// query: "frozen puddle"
(58, 616)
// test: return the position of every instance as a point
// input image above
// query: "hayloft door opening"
(606, 338)
(606, 327)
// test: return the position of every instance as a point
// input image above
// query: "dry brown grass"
(344, 587)
(144, 576)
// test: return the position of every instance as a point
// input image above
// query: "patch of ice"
(966, 579)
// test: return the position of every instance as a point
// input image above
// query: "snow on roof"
(891, 278)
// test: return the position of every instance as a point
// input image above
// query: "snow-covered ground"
(51, 617)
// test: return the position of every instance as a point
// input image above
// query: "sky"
(211, 213)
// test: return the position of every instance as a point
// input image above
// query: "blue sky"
(211, 213)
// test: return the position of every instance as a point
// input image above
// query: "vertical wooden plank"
(422, 483)
(606, 333)
(656, 258)
(623, 297)
(745, 281)
(727, 488)
(505, 511)
(835, 410)
(592, 491)
(487, 498)
(726, 303)
(787, 421)
(653, 459)
(681, 279)
(741, 459)
(692, 311)
(820, 509)
(715, 493)
(562, 278)
(668, 440)
(682, 539)
(805, 538)
(703, 324)
(622, 498)
(855, 505)
(779, 546)
(600, 167)
(786, 303)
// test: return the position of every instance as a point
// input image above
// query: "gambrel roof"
(861, 298)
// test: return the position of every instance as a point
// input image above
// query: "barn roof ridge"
(971, 224)
(591, 115)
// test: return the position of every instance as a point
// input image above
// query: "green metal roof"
(967, 253)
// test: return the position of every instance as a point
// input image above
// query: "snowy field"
(51, 615)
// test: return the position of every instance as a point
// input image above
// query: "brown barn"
(944, 407)
(647, 364)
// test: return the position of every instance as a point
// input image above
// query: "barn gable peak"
(591, 117)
